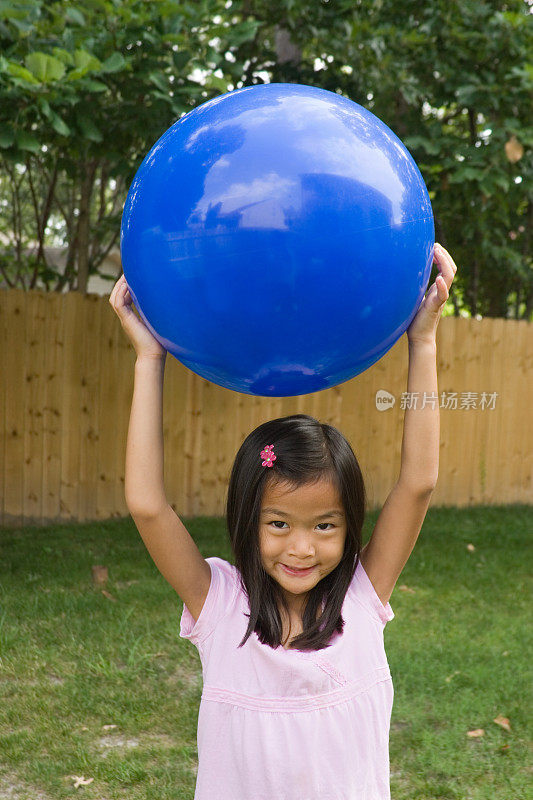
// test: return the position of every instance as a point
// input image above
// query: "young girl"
(297, 694)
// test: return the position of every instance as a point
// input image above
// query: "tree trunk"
(526, 250)
(528, 313)
(401, 116)
(441, 238)
(475, 287)
(84, 222)
(286, 51)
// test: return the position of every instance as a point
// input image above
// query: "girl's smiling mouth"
(295, 571)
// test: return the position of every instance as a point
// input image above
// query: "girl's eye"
(278, 522)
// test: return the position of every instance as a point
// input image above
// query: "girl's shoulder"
(220, 601)
(224, 573)
(362, 591)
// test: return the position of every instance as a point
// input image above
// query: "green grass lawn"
(74, 661)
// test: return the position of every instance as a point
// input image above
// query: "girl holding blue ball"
(297, 693)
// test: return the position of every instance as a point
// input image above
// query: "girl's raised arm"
(169, 543)
(399, 523)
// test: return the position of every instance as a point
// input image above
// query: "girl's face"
(301, 528)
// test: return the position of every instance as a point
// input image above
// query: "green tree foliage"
(86, 89)
(452, 78)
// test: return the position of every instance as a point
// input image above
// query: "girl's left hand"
(423, 328)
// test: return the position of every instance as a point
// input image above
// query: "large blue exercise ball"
(278, 239)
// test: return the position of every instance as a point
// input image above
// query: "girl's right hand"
(145, 344)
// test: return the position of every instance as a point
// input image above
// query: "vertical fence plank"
(461, 416)
(3, 407)
(230, 418)
(15, 310)
(51, 388)
(207, 434)
(89, 353)
(384, 449)
(468, 388)
(494, 445)
(234, 409)
(269, 408)
(448, 449)
(356, 396)
(523, 363)
(474, 480)
(507, 420)
(107, 412)
(175, 423)
(288, 406)
(33, 408)
(515, 411)
(71, 330)
(188, 451)
(195, 416)
(375, 435)
(123, 387)
(238, 424)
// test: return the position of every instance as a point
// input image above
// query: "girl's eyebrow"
(333, 513)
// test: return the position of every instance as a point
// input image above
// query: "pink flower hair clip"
(268, 456)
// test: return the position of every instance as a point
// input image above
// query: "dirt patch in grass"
(11, 788)
(185, 679)
(119, 742)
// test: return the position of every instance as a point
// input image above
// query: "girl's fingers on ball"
(116, 288)
(447, 268)
(120, 296)
(444, 257)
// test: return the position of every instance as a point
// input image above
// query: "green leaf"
(94, 86)
(9, 10)
(75, 16)
(165, 96)
(44, 105)
(76, 74)
(86, 61)
(214, 82)
(63, 55)
(501, 180)
(467, 94)
(420, 142)
(24, 26)
(181, 58)
(466, 174)
(88, 128)
(59, 125)
(513, 18)
(243, 32)
(524, 73)
(7, 136)
(114, 63)
(172, 38)
(45, 68)
(25, 141)
(159, 80)
(18, 71)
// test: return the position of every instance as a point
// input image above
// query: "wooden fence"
(66, 372)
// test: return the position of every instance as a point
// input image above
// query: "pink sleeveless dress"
(278, 724)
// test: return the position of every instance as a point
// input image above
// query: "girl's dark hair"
(306, 451)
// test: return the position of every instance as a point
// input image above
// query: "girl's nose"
(301, 545)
